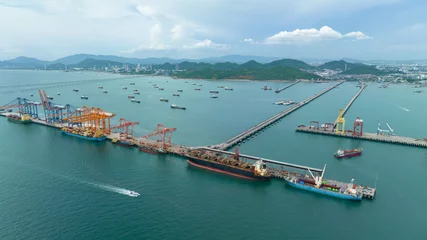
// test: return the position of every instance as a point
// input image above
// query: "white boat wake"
(114, 189)
(404, 109)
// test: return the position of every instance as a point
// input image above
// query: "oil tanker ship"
(228, 165)
(326, 187)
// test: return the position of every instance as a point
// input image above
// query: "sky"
(315, 29)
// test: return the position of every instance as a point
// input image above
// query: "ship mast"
(317, 179)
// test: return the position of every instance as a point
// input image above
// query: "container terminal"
(95, 124)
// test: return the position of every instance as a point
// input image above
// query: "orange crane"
(126, 129)
(91, 118)
(163, 136)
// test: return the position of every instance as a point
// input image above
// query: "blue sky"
(325, 29)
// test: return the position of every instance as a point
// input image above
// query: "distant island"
(226, 67)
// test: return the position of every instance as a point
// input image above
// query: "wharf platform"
(290, 85)
(407, 141)
(362, 87)
(249, 132)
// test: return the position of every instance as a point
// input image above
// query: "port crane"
(91, 118)
(390, 130)
(163, 136)
(125, 129)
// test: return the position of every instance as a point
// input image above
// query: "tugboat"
(326, 187)
(348, 153)
(177, 107)
(84, 96)
(176, 94)
(214, 96)
(75, 90)
(23, 119)
(164, 100)
(213, 91)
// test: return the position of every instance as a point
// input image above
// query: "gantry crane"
(163, 136)
(93, 119)
(125, 129)
(340, 123)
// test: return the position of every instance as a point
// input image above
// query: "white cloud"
(207, 44)
(312, 34)
(248, 40)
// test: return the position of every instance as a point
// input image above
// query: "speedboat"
(288, 102)
(133, 194)
(279, 103)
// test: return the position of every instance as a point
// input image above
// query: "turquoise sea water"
(58, 187)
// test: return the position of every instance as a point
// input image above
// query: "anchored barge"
(228, 165)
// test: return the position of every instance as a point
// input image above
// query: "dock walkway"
(247, 133)
(362, 87)
(407, 141)
(283, 88)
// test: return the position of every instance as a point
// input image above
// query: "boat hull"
(216, 167)
(124, 144)
(149, 150)
(19, 121)
(324, 191)
(348, 155)
(85, 137)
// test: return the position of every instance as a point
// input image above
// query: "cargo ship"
(326, 187)
(23, 119)
(177, 107)
(84, 134)
(348, 153)
(229, 165)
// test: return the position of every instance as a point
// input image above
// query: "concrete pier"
(290, 85)
(362, 87)
(407, 141)
(247, 133)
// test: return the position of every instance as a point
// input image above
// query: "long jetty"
(285, 164)
(283, 88)
(362, 87)
(247, 133)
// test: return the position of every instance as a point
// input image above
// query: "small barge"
(176, 94)
(214, 91)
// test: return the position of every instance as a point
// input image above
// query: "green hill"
(251, 64)
(290, 63)
(340, 65)
(363, 70)
(97, 64)
(273, 73)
